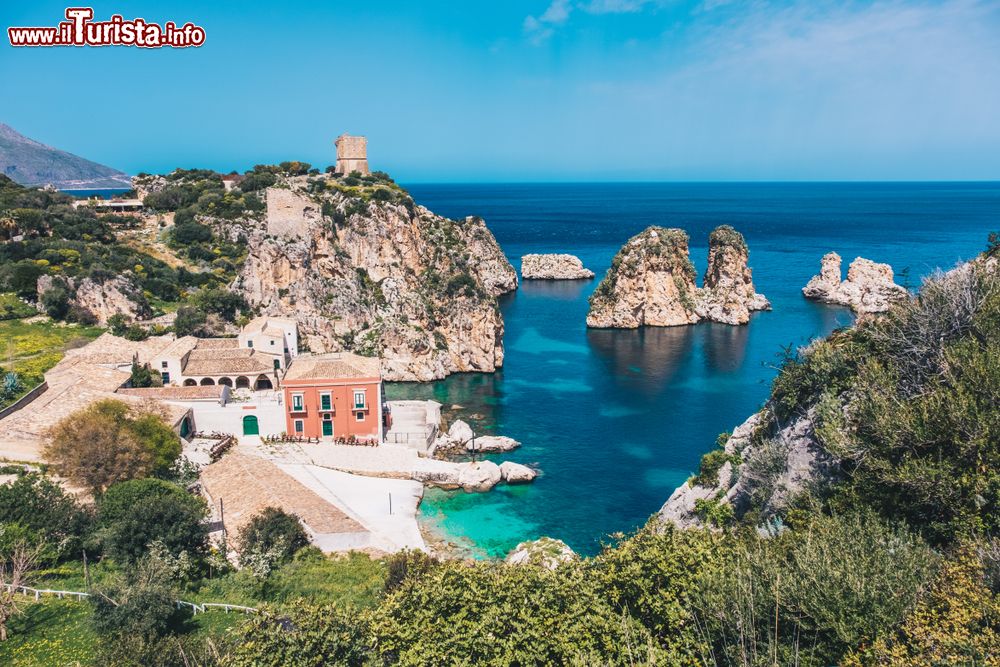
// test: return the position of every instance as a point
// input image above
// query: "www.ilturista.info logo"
(80, 30)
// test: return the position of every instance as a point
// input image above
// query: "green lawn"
(50, 632)
(32, 348)
(12, 308)
(58, 632)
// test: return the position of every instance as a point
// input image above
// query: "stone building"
(352, 154)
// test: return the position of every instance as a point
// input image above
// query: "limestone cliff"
(869, 287)
(728, 293)
(762, 465)
(367, 270)
(100, 298)
(651, 282)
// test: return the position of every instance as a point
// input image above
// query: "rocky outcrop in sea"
(553, 267)
(651, 282)
(869, 287)
(728, 294)
(544, 552)
(367, 270)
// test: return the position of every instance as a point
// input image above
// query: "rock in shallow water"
(492, 443)
(479, 476)
(515, 473)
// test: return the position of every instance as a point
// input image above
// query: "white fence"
(195, 607)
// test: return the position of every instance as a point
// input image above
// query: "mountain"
(32, 163)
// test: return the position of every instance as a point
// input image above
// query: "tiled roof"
(218, 343)
(333, 366)
(178, 348)
(250, 362)
(260, 323)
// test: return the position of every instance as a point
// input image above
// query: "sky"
(553, 90)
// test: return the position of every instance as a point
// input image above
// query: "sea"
(616, 420)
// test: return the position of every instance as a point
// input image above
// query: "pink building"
(335, 395)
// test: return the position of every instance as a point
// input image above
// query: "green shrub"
(272, 531)
(43, 507)
(134, 514)
(305, 634)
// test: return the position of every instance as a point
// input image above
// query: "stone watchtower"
(352, 154)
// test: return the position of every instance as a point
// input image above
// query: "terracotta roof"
(333, 366)
(201, 354)
(174, 393)
(218, 343)
(111, 350)
(178, 348)
(249, 362)
(249, 484)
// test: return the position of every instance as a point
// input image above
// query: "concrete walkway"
(386, 507)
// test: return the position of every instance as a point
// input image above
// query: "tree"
(134, 514)
(138, 603)
(109, 441)
(189, 321)
(46, 509)
(141, 375)
(15, 570)
(56, 299)
(272, 531)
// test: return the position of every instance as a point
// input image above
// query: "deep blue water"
(107, 193)
(617, 419)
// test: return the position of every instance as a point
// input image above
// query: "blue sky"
(532, 91)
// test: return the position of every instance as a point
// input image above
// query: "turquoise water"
(617, 419)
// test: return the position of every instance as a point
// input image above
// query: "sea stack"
(869, 287)
(554, 267)
(650, 282)
(728, 293)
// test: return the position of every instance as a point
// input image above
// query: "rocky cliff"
(367, 270)
(651, 282)
(553, 267)
(101, 299)
(869, 287)
(728, 294)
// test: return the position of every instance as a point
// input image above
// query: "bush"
(306, 634)
(189, 321)
(137, 606)
(134, 514)
(832, 585)
(272, 532)
(108, 442)
(495, 613)
(187, 233)
(56, 300)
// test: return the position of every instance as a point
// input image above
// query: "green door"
(327, 427)
(250, 426)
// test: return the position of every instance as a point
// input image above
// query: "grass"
(31, 348)
(59, 632)
(50, 632)
(12, 308)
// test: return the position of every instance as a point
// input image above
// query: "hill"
(32, 163)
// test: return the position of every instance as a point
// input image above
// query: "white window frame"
(298, 402)
(359, 415)
(299, 425)
(329, 395)
(364, 399)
